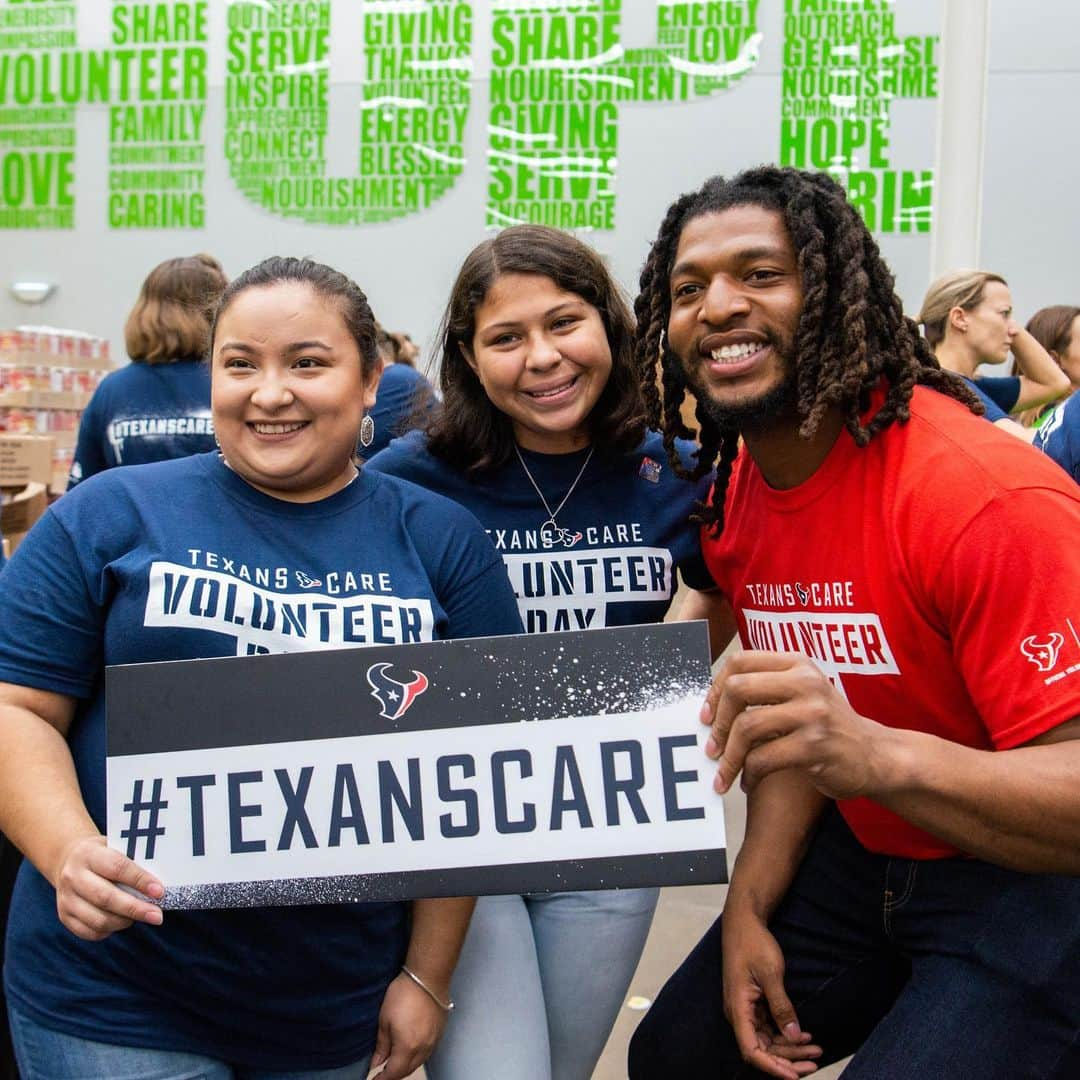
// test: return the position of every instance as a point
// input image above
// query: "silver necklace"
(551, 532)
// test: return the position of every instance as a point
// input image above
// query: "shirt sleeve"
(483, 606)
(1059, 436)
(469, 576)
(479, 600)
(994, 412)
(53, 625)
(1003, 390)
(89, 452)
(1009, 594)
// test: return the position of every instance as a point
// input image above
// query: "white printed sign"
(489, 766)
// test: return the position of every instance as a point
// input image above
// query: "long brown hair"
(469, 431)
(1051, 327)
(171, 318)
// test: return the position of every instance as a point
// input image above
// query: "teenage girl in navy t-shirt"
(99, 984)
(542, 436)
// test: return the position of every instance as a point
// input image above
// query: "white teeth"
(277, 429)
(736, 352)
(550, 393)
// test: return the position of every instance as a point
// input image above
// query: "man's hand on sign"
(772, 711)
(410, 1024)
(757, 1006)
(90, 902)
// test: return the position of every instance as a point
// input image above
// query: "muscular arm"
(715, 609)
(781, 812)
(1018, 808)
(1041, 380)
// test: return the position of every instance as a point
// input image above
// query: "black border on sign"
(250, 700)
(705, 867)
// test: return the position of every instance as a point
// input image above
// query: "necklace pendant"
(552, 533)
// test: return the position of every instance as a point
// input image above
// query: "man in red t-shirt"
(906, 715)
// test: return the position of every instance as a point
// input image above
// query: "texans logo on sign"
(803, 593)
(1043, 654)
(307, 582)
(394, 697)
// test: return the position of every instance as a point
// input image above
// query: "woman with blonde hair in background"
(158, 407)
(967, 317)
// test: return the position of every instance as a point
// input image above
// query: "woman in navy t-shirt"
(967, 317)
(158, 407)
(126, 569)
(542, 436)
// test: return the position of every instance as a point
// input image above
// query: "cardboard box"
(75, 400)
(22, 508)
(25, 459)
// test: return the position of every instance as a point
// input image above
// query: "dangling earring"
(367, 430)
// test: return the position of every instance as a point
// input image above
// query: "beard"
(754, 412)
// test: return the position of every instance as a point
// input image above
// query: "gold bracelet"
(446, 1006)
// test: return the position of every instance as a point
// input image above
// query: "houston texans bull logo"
(394, 697)
(1043, 654)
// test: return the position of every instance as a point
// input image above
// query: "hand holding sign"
(772, 711)
(417, 770)
(88, 900)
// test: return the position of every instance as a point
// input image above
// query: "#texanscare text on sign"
(540, 762)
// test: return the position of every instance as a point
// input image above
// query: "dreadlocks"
(852, 330)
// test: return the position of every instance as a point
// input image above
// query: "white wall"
(1031, 213)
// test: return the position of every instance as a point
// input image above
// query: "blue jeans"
(44, 1054)
(936, 969)
(540, 982)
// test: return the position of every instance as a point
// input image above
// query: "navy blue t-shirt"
(143, 413)
(1003, 390)
(404, 395)
(622, 531)
(1059, 436)
(172, 561)
(993, 412)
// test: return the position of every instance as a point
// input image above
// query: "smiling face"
(736, 297)
(543, 358)
(989, 328)
(288, 391)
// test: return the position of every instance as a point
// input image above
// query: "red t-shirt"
(933, 575)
